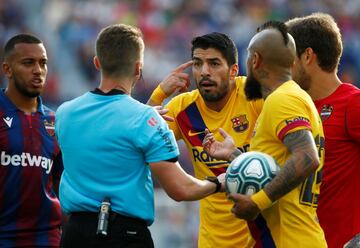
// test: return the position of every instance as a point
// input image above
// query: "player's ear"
(308, 55)
(138, 70)
(256, 60)
(7, 69)
(234, 70)
(97, 63)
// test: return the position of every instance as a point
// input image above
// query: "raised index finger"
(182, 67)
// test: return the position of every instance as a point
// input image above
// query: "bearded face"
(252, 87)
(213, 91)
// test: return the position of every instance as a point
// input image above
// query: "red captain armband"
(158, 96)
(261, 200)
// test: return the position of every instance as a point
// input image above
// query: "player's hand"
(216, 149)
(244, 207)
(177, 80)
(162, 111)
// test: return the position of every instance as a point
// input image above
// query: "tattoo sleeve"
(300, 164)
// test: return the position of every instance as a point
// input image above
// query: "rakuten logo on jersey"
(26, 159)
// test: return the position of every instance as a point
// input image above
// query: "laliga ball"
(250, 172)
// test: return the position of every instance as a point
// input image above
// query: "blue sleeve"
(155, 138)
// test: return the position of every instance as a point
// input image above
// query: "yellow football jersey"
(292, 220)
(218, 226)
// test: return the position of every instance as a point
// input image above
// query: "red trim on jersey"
(190, 121)
(261, 233)
(218, 171)
(291, 126)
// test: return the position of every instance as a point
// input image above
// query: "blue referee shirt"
(107, 141)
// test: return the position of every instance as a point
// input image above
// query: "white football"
(250, 172)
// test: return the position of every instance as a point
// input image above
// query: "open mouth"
(207, 84)
(37, 82)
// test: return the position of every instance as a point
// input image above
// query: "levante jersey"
(218, 226)
(339, 201)
(292, 220)
(30, 214)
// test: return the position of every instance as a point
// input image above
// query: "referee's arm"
(179, 185)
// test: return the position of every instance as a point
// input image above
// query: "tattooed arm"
(302, 162)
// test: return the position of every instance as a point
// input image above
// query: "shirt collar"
(110, 93)
(11, 107)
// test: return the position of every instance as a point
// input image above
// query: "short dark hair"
(220, 42)
(20, 38)
(280, 26)
(320, 32)
(118, 48)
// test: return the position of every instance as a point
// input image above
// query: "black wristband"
(216, 181)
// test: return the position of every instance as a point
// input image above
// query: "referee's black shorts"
(123, 232)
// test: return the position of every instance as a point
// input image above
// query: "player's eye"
(43, 63)
(27, 62)
(197, 63)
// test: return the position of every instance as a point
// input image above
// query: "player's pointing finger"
(184, 66)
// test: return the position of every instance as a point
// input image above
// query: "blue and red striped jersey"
(30, 213)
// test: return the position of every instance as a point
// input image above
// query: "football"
(250, 172)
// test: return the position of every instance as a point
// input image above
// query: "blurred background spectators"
(69, 28)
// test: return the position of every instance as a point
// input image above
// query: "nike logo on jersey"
(8, 121)
(191, 133)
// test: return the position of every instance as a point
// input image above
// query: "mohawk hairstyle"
(283, 29)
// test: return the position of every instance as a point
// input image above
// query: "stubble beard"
(21, 88)
(214, 96)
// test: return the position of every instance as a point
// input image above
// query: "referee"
(111, 144)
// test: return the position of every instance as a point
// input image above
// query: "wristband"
(216, 181)
(261, 200)
(158, 96)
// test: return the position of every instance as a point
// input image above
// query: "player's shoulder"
(352, 94)
(347, 87)
(289, 89)
(350, 91)
(288, 93)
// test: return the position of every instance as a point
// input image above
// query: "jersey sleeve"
(352, 118)
(287, 114)
(172, 106)
(155, 138)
